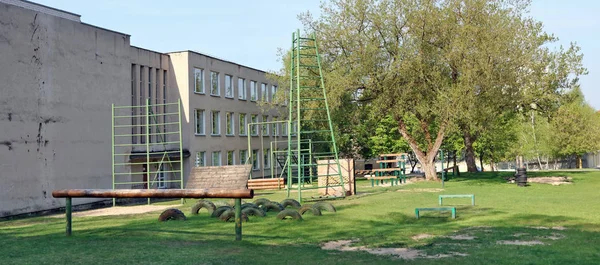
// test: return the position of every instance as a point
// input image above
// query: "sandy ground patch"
(421, 236)
(462, 237)
(403, 253)
(559, 228)
(555, 236)
(121, 210)
(519, 242)
(555, 181)
(422, 190)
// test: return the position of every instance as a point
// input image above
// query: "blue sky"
(250, 32)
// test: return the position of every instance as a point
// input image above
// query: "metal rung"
(309, 66)
(315, 131)
(145, 144)
(141, 134)
(309, 99)
(310, 87)
(316, 120)
(320, 187)
(314, 109)
(309, 77)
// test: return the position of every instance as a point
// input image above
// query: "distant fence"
(590, 160)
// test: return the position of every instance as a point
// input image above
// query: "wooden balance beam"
(237, 194)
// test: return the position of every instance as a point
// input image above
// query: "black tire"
(309, 208)
(250, 211)
(290, 202)
(272, 206)
(249, 205)
(229, 216)
(222, 203)
(289, 213)
(325, 206)
(203, 204)
(220, 210)
(261, 201)
(171, 214)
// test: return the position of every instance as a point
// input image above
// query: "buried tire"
(203, 204)
(289, 213)
(290, 202)
(220, 210)
(309, 208)
(274, 206)
(249, 205)
(253, 212)
(324, 206)
(229, 216)
(261, 201)
(171, 214)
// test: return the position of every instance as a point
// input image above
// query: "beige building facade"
(58, 79)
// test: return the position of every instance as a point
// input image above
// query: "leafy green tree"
(575, 129)
(437, 63)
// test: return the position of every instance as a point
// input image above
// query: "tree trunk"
(579, 162)
(481, 160)
(426, 157)
(469, 152)
(455, 168)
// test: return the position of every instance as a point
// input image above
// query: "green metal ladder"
(314, 146)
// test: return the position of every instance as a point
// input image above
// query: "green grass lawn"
(379, 218)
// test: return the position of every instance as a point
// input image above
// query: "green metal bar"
(68, 211)
(238, 219)
(112, 149)
(442, 159)
(289, 122)
(249, 137)
(147, 144)
(129, 107)
(329, 116)
(142, 182)
(181, 169)
(298, 128)
(271, 156)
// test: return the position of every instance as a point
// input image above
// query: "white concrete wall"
(58, 78)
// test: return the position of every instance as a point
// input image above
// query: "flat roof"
(220, 59)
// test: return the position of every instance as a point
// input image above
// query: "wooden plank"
(146, 193)
(437, 209)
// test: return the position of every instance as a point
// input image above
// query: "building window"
(266, 156)
(199, 81)
(273, 92)
(253, 92)
(243, 156)
(242, 93)
(254, 127)
(274, 127)
(215, 85)
(216, 122)
(230, 124)
(243, 123)
(230, 158)
(264, 94)
(228, 86)
(265, 126)
(255, 159)
(284, 129)
(133, 103)
(200, 159)
(216, 158)
(161, 180)
(199, 118)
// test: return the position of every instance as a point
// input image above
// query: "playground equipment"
(147, 150)
(391, 167)
(313, 153)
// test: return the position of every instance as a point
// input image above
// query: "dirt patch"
(560, 228)
(121, 210)
(555, 236)
(555, 181)
(462, 237)
(422, 190)
(403, 253)
(519, 242)
(520, 234)
(421, 236)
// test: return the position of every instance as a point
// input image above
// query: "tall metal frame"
(132, 140)
(307, 109)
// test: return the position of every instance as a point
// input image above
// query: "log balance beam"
(237, 194)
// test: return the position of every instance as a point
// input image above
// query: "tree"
(436, 62)
(575, 128)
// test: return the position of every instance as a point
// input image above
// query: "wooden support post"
(68, 214)
(238, 219)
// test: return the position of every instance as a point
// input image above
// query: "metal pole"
(181, 169)
(442, 159)
(68, 214)
(298, 136)
(238, 219)
(249, 154)
(112, 139)
(289, 120)
(147, 145)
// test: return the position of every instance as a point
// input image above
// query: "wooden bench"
(266, 184)
(458, 196)
(439, 209)
(218, 182)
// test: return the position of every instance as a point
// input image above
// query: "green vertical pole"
(147, 145)
(238, 219)
(68, 211)
(271, 158)
(298, 136)
(329, 117)
(112, 140)
(181, 169)
(289, 121)
(442, 159)
(249, 153)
